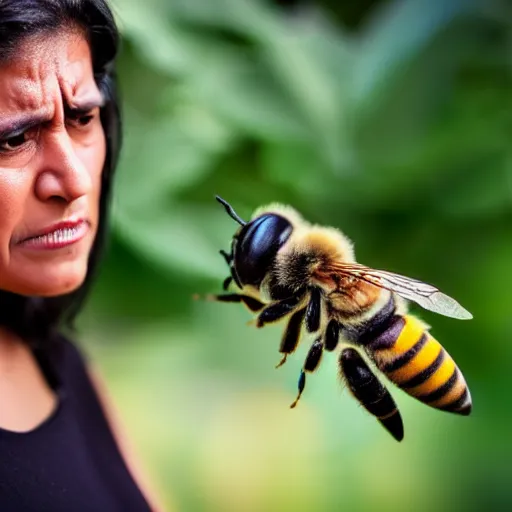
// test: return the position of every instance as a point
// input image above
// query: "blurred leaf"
(299, 62)
(294, 166)
(480, 194)
(250, 19)
(404, 78)
(301, 55)
(175, 239)
(162, 156)
(398, 34)
(159, 42)
(240, 90)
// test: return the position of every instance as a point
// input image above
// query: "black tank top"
(70, 462)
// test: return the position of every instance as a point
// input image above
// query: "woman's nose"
(62, 174)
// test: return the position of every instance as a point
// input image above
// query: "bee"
(286, 269)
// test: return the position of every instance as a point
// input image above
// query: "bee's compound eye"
(258, 244)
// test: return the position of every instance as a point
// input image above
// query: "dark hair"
(37, 319)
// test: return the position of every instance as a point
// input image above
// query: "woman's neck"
(11, 348)
(26, 399)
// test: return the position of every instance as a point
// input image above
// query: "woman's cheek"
(93, 156)
(14, 195)
(92, 149)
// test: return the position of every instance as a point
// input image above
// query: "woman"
(59, 142)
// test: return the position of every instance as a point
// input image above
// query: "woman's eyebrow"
(21, 124)
(83, 106)
(24, 122)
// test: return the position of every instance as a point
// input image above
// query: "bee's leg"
(226, 283)
(302, 385)
(370, 392)
(332, 334)
(277, 310)
(227, 257)
(252, 303)
(313, 310)
(229, 261)
(291, 335)
(310, 365)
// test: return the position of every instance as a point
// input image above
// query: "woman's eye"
(81, 120)
(85, 120)
(13, 143)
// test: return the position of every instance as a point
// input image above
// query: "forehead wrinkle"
(46, 74)
(47, 87)
(27, 86)
(81, 94)
(76, 82)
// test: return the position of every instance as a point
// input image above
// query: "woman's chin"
(55, 291)
(50, 284)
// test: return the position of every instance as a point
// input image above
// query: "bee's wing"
(426, 295)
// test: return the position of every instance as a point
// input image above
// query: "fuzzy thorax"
(309, 247)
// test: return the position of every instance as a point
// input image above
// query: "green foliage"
(398, 133)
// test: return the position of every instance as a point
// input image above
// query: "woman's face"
(52, 151)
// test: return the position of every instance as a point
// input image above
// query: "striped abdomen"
(411, 358)
(370, 392)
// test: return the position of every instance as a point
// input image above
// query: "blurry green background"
(390, 120)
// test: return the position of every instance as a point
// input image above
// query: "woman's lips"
(56, 236)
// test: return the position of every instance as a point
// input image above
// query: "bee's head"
(256, 243)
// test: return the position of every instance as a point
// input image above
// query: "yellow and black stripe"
(411, 358)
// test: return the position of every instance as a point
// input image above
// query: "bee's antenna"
(230, 210)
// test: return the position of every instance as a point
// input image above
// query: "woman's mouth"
(57, 236)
